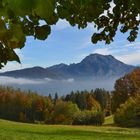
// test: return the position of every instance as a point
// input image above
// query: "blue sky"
(68, 45)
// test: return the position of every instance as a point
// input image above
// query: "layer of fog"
(48, 86)
(5, 80)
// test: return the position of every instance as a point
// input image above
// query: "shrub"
(87, 117)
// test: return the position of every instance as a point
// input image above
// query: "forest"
(76, 108)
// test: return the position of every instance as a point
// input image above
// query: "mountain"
(32, 73)
(92, 66)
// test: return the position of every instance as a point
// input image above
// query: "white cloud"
(104, 51)
(61, 25)
(20, 81)
(132, 44)
(131, 58)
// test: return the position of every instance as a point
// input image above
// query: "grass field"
(18, 131)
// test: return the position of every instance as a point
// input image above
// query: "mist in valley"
(62, 87)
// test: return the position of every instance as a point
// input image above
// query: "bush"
(128, 115)
(87, 117)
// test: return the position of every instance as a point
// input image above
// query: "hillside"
(93, 66)
(16, 131)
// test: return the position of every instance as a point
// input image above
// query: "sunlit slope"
(15, 131)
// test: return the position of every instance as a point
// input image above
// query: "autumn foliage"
(126, 100)
(126, 87)
(30, 107)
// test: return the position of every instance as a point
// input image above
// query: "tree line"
(31, 107)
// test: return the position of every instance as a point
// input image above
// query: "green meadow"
(20, 131)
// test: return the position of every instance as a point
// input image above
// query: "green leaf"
(42, 32)
(18, 37)
(45, 8)
(20, 7)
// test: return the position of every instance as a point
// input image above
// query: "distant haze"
(49, 86)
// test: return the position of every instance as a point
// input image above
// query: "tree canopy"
(27, 106)
(126, 87)
(21, 18)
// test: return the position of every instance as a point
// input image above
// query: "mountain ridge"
(93, 65)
